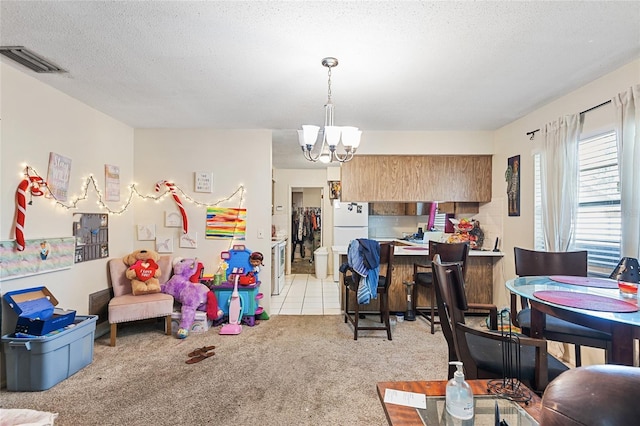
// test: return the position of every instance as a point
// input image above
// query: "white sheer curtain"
(627, 105)
(559, 182)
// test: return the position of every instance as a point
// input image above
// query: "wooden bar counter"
(479, 285)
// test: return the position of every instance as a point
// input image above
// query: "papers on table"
(409, 399)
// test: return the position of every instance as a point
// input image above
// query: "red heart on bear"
(145, 269)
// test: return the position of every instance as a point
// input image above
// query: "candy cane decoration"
(21, 210)
(172, 188)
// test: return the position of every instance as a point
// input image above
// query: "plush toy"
(193, 296)
(143, 271)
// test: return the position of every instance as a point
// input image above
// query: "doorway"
(306, 228)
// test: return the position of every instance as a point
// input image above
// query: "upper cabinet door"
(408, 178)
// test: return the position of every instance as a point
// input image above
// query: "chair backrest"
(451, 298)
(450, 252)
(122, 285)
(386, 261)
(531, 262)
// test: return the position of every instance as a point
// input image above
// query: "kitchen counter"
(410, 248)
(479, 285)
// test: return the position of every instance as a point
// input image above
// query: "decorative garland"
(34, 183)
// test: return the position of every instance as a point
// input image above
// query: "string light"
(133, 190)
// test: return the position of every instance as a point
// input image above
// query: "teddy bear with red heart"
(143, 271)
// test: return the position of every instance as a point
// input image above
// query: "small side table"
(410, 315)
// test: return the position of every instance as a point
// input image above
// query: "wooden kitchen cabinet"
(459, 208)
(387, 209)
(414, 178)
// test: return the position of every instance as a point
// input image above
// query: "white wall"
(512, 140)
(235, 158)
(37, 119)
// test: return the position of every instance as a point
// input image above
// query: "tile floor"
(304, 294)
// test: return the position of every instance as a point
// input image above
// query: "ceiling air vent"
(29, 59)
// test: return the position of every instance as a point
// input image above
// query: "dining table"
(588, 301)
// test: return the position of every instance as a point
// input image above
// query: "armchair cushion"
(593, 395)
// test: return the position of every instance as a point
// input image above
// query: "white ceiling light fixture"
(332, 136)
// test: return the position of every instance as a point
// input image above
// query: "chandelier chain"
(329, 86)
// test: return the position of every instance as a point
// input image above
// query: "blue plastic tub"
(35, 363)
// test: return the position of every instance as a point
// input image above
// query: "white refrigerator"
(350, 221)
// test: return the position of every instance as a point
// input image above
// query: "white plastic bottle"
(459, 397)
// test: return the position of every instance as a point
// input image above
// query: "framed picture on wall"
(335, 190)
(512, 176)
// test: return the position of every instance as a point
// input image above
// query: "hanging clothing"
(363, 257)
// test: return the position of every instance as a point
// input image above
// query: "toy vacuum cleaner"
(235, 311)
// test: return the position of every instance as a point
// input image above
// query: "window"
(598, 224)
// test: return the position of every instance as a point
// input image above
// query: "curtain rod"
(533, 132)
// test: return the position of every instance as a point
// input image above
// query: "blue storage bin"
(35, 363)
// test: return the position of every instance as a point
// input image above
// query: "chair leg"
(114, 331)
(433, 296)
(356, 320)
(346, 303)
(384, 301)
(167, 325)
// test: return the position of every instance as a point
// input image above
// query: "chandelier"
(332, 136)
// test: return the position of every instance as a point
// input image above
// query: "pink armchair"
(125, 307)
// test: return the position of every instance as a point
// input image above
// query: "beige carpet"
(289, 370)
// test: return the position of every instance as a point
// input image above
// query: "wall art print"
(39, 256)
(226, 223)
(58, 176)
(111, 183)
(512, 176)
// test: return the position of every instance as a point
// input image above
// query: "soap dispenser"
(459, 397)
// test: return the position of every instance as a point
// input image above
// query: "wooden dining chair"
(481, 351)
(533, 263)
(351, 283)
(423, 277)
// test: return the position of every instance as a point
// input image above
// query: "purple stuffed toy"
(193, 296)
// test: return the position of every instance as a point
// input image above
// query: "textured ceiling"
(404, 65)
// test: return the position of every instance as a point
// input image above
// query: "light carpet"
(289, 370)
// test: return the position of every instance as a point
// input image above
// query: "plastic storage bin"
(321, 259)
(37, 363)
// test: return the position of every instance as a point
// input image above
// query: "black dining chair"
(423, 277)
(574, 263)
(481, 351)
(352, 280)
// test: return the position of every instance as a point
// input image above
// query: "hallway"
(304, 294)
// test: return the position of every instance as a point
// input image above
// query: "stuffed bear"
(143, 271)
(193, 297)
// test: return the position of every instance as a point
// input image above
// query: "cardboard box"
(200, 324)
(37, 314)
(39, 362)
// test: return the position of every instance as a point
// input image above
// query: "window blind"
(599, 224)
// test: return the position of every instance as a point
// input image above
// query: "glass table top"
(484, 412)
